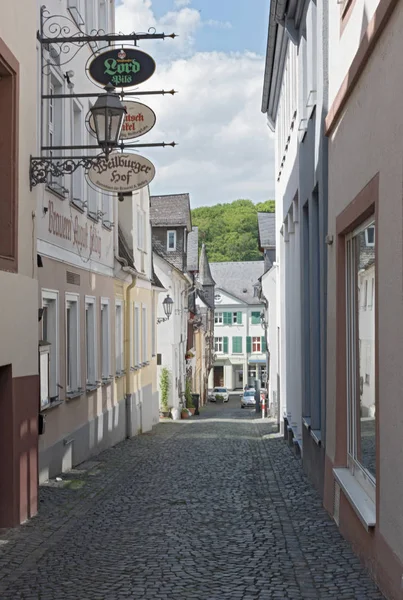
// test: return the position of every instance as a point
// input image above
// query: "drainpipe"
(128, 353)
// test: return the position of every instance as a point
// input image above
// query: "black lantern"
(108, 114)
(167, 304)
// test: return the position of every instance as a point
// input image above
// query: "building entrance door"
(218, 376)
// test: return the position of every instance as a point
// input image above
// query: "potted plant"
(188, 396)
(165, 410)
(219, 398)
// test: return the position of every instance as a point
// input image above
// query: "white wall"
(269, 288)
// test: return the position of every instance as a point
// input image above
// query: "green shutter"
(236, 345)
(227, 318)
(263, 343)
(255, 318)
(248, 344)
(225, 345)
(239, 318)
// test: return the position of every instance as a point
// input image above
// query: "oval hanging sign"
(124, 67)
(122, 173)
(139, 120)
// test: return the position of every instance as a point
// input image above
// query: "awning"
(257, 361)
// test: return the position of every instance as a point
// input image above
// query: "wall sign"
(124, 67)
(140, 119)
(122, 173)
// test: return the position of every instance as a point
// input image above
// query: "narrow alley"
(216, 507)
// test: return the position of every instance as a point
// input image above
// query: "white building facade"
(239, 339)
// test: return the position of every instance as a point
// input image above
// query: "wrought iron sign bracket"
(162, 320)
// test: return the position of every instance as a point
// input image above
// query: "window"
(50, 334)
(144, 330)
(232, 318)
(77, 178)
(55, 128)
(72, 344)
(218, 318)
(9, 106)
(136, 336)
(255, 318)
(171, 240)
(105, 339)
(106, 210)
(91, 341)
(256, 345)
(237, 345)
(153, 325)
(361, 384)
(370, 236)
(119, 365)
(140, 230)
(218, 344)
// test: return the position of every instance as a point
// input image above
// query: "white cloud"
(218, 24)
(182, 3)
(225, 150)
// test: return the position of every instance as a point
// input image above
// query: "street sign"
(139, 119)
(123, 67)
(122, 173)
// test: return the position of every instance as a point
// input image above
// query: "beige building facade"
(364, 453)
(19, 381)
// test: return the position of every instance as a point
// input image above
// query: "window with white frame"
(370, 236)
(153, 326)
(218, 318)
(105, 339)
(50, 334)
(72, 343)
(119, 364)
(136, 336)
(218, 347)
(144, 335)
(171, 240)
(91, 341)
(77, 178)
(361, 376)
(256, 344)
(55, 127)
(92, 194)
(140, 230)
(106, 210)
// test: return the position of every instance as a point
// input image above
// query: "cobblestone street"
(211, 508)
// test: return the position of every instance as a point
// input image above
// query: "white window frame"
(362, 475)
(136, 335)
(77, 178)
(141, 230)
(174, 246)
(72, 302)
(91, 346)
(55, 135)
(52, 297)
(258, 344)
(153, 325)
(144, 336)
(235, 318)
(105, 339)
(219, 345)
(218, 318)
(119, 337)
(369, 244)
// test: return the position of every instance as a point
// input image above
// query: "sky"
(225, 150)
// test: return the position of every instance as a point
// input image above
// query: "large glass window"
(360, 280)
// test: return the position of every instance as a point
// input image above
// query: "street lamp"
(108, 114)
(167, 304)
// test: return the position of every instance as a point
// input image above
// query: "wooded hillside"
(230, 231)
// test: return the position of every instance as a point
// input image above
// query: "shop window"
(361, 378)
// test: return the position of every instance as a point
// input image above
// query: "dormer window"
(171, 241)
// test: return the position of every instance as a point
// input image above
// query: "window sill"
(307, 422)
(362, 504)
(74, 394)
(107, 227)
(316, 435)
(120, 374)
(107, 380)
(55, 192)
(77, 206)
(51, 405)
(92, 217)
(92, 387)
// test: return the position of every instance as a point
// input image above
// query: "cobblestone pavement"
(211, 508)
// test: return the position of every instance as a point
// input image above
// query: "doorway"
(219, 376)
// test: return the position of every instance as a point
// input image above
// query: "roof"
(171, 210)
(205, 277)
(267, 229)
(235, 277)
(193, 250)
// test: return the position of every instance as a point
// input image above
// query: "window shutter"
(248, 344)
(263, 343)
(239, 318)
(227, 318)
(225, 345)
(255, 318)
(236, 345)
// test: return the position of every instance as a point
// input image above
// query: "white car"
(248, 398)
(220, 391)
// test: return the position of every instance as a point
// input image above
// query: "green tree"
(230, 231)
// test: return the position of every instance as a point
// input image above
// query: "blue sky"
(225, 150)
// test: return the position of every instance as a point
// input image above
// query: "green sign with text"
(122, 67)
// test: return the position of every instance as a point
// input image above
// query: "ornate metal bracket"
(162, 320)
(64, 36)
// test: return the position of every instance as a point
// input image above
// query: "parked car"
(248, 398)
(220, 391)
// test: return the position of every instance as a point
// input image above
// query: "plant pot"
(191, 410)
(165, 414)
(185, 414)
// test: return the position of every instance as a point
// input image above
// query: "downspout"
(128, 402)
